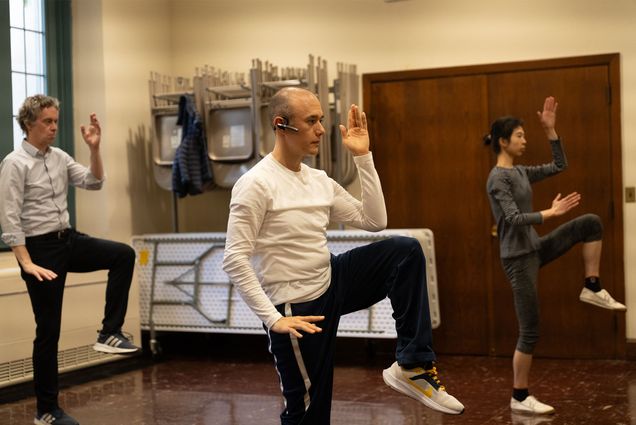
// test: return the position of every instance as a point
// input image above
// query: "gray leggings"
(522, 272)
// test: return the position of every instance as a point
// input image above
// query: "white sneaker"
(601, 298)
(423, 386)
(530, 406)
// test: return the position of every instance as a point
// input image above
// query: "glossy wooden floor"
(215, 379)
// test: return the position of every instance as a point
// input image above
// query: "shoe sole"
(530, 412)
(103, 348)
(598, 304)
(400, 387)
(36, 421)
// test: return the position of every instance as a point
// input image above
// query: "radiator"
(81, 319)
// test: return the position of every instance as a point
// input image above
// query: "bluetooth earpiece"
(284, 125)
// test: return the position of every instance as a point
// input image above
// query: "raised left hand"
(356, 138)
(92, 134)
(547, 117)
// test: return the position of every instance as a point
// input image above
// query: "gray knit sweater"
(510, 194)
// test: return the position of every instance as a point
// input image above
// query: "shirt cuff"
(367, 158)
(13, 239)
(93, 182)
(275, 318)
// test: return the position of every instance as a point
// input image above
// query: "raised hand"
(562, 205)
(356, 138)
(547, 117)
(93, 133)
(293, 324)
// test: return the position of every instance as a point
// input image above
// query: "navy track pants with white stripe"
(360, 277)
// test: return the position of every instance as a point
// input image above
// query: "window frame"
(6, 116)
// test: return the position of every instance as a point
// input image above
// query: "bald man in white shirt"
(276, 255)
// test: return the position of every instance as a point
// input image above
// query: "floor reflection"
(201, 390)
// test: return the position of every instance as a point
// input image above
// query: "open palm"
(356, 137)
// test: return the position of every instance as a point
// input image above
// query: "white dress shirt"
(34, 188)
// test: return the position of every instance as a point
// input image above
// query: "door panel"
(426, 146)
(568, 327)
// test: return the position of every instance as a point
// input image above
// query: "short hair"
(279, 104)
(32, 107)
(501, 128)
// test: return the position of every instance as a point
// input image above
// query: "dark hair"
(279, 104)
(501, 128)
(32, 107)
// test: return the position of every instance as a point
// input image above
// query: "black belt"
(58, 234)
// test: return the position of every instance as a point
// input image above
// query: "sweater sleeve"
(370, 212)
(559, 163)
(247, 211)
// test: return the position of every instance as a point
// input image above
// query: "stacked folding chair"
(233, 107)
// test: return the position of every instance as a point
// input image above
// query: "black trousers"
(361, 277)
(72, 252)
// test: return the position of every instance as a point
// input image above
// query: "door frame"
(612, 62)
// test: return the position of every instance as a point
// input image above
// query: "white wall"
(117, 43)
(115, 46)
(113, 52)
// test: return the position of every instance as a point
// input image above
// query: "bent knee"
(593, 227)
(527, 341)
(406, 244)
(126, 253)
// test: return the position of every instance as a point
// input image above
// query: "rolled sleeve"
(12, 191)
(13, 239)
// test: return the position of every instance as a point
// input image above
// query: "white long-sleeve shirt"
(276, 245)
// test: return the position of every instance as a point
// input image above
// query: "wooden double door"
(426, 133)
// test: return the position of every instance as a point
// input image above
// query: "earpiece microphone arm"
(285, 127)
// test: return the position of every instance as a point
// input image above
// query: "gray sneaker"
(56, 417)
(115, 343)
(423, 386)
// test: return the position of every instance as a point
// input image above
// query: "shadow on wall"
(151, 205)
(207, 212)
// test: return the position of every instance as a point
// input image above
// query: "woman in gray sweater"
(523, 252)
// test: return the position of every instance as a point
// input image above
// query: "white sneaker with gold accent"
(422, 385)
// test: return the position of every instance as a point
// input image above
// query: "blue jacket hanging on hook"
(191, 172)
